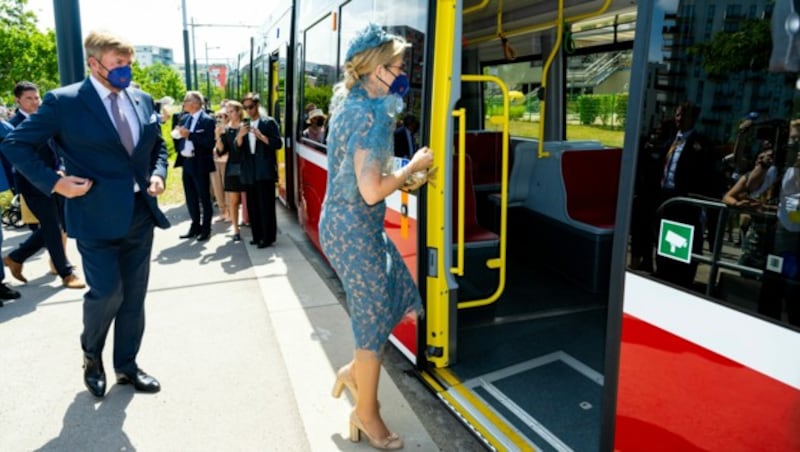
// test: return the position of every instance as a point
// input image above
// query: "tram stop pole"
(68, 41)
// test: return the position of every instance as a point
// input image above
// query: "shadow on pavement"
(90, 424)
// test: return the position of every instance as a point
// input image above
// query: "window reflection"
(718, 109)
(319, 75)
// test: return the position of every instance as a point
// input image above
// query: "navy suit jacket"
(46, 152)
(204, 140)
(5, 172)
(76, 119)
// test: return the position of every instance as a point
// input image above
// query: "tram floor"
(536, 357)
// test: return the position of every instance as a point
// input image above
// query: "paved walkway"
(244, 341)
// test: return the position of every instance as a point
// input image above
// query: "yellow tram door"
(457, 265)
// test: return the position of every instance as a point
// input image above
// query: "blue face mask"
(119, 77)
(400, 84)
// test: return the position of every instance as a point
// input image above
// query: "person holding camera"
(260, 170)
(230, 141)
(752, 192)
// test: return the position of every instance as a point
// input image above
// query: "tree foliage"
(159, 80)
(29, 54)
(748, 48)
(26, 53)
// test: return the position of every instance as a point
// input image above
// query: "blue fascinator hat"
(371, 36)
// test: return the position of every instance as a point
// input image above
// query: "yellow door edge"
(498, 434)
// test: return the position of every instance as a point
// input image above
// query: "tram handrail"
(541, 27)
(477, 7)
(499, 262)
(714, 259)
(462, 163)
(545, 72)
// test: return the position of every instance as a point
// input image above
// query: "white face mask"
(394, 104)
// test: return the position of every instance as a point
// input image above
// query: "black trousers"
(117, 272)
(49, 212)
(197, 189)
(261, 210)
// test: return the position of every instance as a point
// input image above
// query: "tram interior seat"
(485, 148)
(480, 244)
(524, 159)
(570, 208)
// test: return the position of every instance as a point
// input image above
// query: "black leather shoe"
(140, 381)
(263, 244)
(188, 235)
(237, 238)
(7, 293)
(94, 376)
(253, 242)
(203, 237)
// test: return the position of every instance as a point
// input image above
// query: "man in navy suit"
(115, 160)
(47, 207)
(6, 293)
(404, 144)
(194, 143)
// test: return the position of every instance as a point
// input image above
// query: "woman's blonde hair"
(365, 62)
(98, 43)
(237, 106)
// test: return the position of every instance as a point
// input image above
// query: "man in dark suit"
(689, 169)
(194, 145)
(263, 139)
(6, 293)
(47, 208)
(404, 144)
(110, 141)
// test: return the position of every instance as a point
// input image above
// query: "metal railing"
(724, 211)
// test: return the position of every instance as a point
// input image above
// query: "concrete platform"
(244, 341)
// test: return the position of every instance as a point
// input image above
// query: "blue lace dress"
(377, 283)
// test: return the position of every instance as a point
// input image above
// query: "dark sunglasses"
(249, 107)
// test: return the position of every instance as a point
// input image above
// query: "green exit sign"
(675, 240)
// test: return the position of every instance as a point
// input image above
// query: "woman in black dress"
(227, 135)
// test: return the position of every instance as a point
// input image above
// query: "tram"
(542, 329)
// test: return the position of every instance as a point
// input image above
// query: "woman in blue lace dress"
(379, 287)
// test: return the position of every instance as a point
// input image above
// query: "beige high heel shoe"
(391, 442)
(344, 378)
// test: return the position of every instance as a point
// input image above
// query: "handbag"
(233, 169)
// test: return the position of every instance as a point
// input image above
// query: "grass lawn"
(173, 194)
(607, 136)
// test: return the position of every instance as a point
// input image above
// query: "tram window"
(597, 96)
(523, 81)
(743, 143)
(603, 31)
(410, 22)
(319, 67)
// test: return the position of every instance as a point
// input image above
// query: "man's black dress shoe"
(253, 242)
(94, 376)
(263, 244)
(188, 235)
(7, 293)
(140, 380)
(203, 237)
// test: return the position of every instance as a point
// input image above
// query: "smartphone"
(246, 121)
